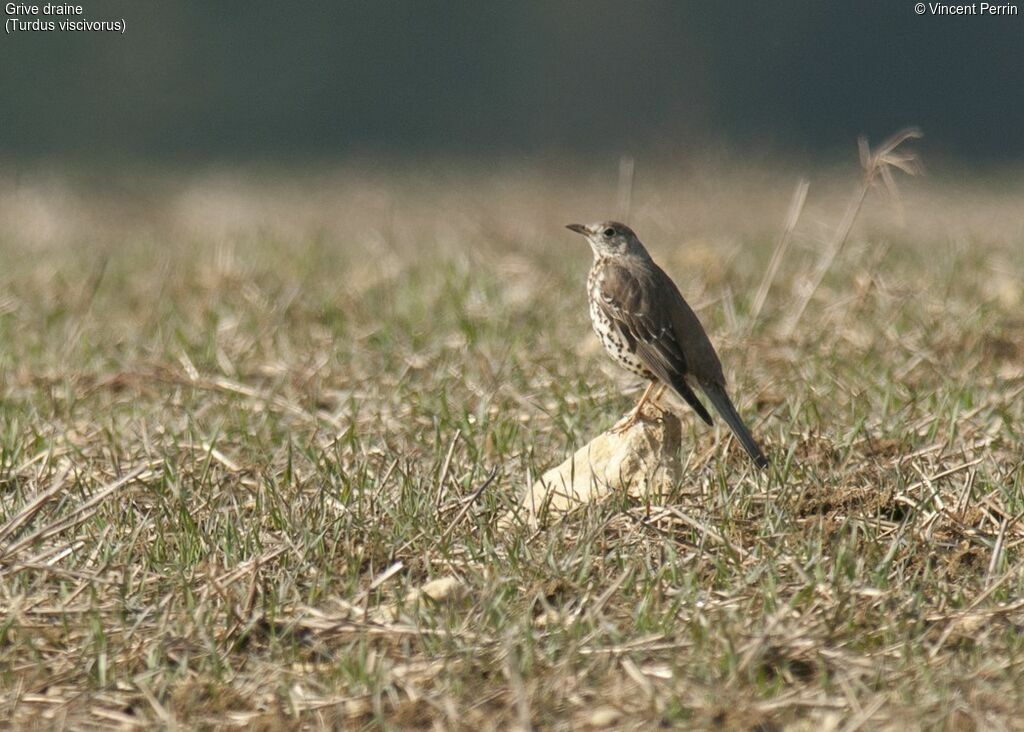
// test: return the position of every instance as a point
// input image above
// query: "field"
(258, 427)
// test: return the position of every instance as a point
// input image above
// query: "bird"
(647, 327)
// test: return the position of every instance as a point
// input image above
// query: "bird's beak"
(578, 228)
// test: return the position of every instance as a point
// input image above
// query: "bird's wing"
(633, 308)
(701, 360)
(633, 305)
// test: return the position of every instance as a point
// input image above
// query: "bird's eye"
(609, 232)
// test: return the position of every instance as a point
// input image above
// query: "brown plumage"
(648, 328)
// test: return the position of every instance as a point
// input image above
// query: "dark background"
(215, 79)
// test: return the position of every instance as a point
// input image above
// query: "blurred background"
(193, 82)
(304, 265)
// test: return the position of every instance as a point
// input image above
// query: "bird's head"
(609, 238)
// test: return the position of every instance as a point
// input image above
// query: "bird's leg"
(636, 414)
(653, 401)
(657, 396)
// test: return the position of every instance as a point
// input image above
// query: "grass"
(248, 422)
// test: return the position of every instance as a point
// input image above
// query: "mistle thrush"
(647, 327)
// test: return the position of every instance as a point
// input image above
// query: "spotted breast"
(618, 347)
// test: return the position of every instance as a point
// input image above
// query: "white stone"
(643, 462)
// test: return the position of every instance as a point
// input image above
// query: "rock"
(603, 717)
(643, 461)
(444, 588)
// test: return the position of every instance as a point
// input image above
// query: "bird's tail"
(716, 394)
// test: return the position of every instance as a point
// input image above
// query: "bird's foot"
(635, 416)
(626, 424)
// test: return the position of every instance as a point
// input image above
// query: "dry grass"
(256, 431)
